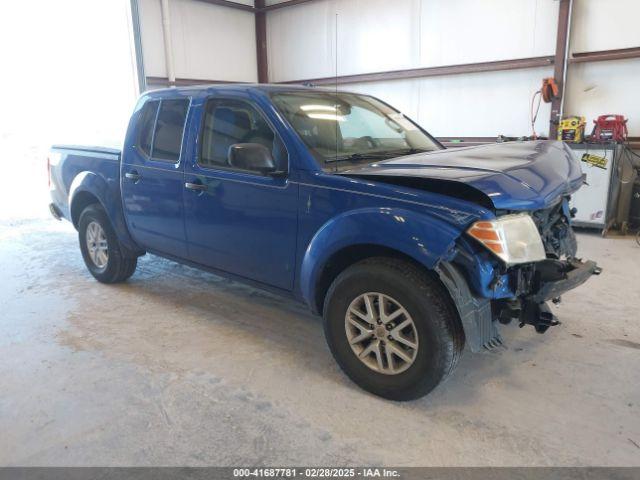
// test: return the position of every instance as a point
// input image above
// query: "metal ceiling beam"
(288, 3)
(605, 55)
(257, 8)
(227, 3)
(533, 62)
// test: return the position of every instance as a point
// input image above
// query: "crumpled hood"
(514, 175)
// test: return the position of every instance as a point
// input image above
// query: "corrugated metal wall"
(213, 42)
(379, 35)
(210, 42)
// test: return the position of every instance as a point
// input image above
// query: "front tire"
(392, 328)
(101, 249)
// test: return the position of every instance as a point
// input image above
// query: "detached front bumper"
(529, 289)
(548, 280)
(562, 277)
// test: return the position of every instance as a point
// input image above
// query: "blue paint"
(280, 231)
(514, 175)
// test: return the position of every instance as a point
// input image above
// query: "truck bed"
(69, 162)
(88, 149)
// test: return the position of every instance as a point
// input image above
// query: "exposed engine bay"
(555, 230)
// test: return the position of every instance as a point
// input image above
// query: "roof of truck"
(262, 87)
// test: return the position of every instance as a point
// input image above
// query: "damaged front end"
(493, 279)
(541, 282)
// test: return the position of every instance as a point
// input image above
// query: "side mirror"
(252, 156)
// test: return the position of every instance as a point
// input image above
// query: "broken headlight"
(513, 238)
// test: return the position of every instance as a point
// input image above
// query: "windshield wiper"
(376, 155)
(408, 151)
(361, 156)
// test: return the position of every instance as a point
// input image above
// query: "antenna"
(336, 90)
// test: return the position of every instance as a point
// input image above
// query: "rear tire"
(101, 250)
(395, 364)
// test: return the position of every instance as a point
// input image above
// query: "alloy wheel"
(381, 333)
(97, 245)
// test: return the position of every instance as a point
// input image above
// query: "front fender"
(422, 237)
(108, 195)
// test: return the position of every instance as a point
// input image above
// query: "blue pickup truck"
(408, 250)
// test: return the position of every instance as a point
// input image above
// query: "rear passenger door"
(152, 177)
(240, 221)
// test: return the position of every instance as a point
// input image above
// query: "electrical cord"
(630, 150)
(534, 116)
(627, 157)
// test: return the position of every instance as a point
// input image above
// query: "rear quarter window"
(162, 128)
(167, 139)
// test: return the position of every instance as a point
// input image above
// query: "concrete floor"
(178, 367)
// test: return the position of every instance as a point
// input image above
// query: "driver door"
(240, 221)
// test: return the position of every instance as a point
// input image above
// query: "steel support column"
(137, 46)
(560, 63)
(261, 42)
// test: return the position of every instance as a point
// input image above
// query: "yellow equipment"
(571, 129)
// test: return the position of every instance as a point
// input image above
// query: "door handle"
(133, 176)
(196, 187)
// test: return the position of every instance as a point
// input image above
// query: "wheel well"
(81, 201)
(346, 257)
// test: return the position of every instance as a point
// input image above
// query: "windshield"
(349, 128)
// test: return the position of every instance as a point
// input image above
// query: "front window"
(346, 128)
(228, 122)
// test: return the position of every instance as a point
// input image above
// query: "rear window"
(167, 139)
(161, 132)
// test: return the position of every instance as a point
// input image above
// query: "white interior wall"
(210, 42)
(454, 105)
(466, 31)
(605, 25)
(379, 35)
(605, 87)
